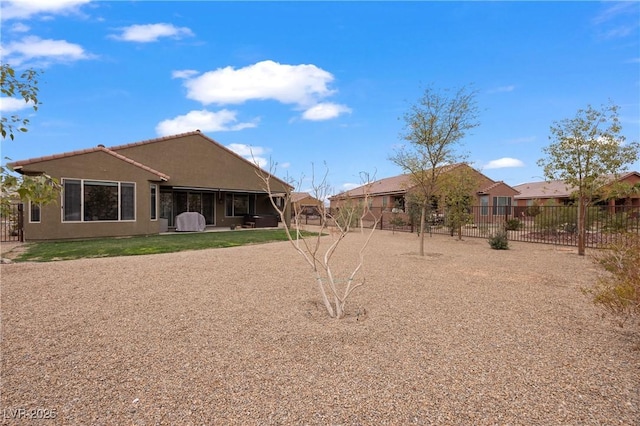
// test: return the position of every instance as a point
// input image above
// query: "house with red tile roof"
(623, 189)
(141, 188)
(304, 203)
(391, 195)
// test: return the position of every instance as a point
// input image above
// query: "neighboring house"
(390, 194)
(140, 188)
(557, 192)
(304, 203)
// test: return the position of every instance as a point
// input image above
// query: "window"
(154, 202)
(239, 204)
(34, 212)
(72, 200)
(92, 200)
(501, 205)
(484, 205)
(127, 201)
(398, 204)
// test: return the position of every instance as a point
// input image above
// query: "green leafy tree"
(434, 126)
(456, 187)
(25, 86)
(621, 190)
(40, 189)
(584, 152)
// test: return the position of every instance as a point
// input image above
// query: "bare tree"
(334, 291)
(434, 126)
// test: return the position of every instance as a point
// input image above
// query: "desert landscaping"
(464, 335)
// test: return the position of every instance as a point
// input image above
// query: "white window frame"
(82, 201)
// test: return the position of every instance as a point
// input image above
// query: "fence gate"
(11, 224)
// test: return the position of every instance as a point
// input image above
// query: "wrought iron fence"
(536, 224)
(11, 223)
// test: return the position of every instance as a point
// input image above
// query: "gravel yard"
(463, 336)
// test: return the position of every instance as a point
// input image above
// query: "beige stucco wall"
(96, 165)
(190, 160)
(194, 160)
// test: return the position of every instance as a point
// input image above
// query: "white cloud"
(619, 32)
(301, 85)
(503, 163)
(206, 121)
(251, 153)
(325, 111)
(183, 73)
(614, 10)
(523, 139)
(246, 150)
(151, 32)
(349, 186)
(502, 89)
(24, 9)
(44, 50)
(617, 20)
(13, 104)
(19, 27)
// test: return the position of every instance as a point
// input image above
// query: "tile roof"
(494, 185)
(199, 133)
(559, 189)
(102, 147)
(162, 138)
(297, 196)
(395, 184)
(20, 164)
(550, 189)
(391, 185)
(111, 150)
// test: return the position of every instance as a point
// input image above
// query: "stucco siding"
(195, 161)
(99, 166)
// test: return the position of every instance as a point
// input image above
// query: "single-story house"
(389, 195)
(141, 188)
(558, 192)
(304, 203)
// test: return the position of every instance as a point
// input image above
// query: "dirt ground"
(464, 335)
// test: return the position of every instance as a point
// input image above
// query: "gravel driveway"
(463, 336)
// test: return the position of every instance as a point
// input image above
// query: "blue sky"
(302, 83)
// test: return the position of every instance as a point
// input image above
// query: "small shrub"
(533, 210)
(618, 291)
(513, 224)
(348, 216)
(397, 221)
(499, 241)
(619, 222)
